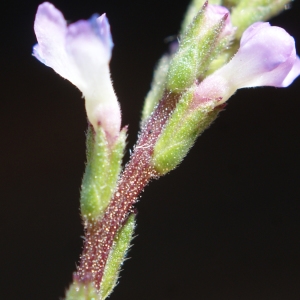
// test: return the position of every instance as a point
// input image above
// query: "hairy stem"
(138, 172)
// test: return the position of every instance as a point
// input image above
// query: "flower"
(81, 53)
(266, 57)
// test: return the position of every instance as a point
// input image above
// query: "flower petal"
(104, 31)
(293, 74)
(90, 56)
(267, 57)
(251, 31)
(81, 53)
(50, 28)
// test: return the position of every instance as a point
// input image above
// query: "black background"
(224, 225)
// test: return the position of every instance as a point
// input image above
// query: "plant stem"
(138, 172)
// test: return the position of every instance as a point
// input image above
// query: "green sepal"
(230, 3)
(157, 87)
(102, 171)
(248, 12)
(116, 157)
(181, 131)
(221, 53)
(82, 291)
(196, 51)
(192, 11)
(117, 257)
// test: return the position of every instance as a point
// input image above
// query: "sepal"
(157, 87)
(102, 172)
(82, 291)
(192, 11)
(117, 257)
(248, 12)
(198, 47)
(187, 122)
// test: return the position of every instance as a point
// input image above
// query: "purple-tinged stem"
(138, 172)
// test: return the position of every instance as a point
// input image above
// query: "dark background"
(224, 225)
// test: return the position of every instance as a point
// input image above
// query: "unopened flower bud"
(197, 48)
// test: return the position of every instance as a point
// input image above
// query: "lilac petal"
(91, 57)
(104, 30)
(293, 74)
(50, 28)
(36, 52)
(252, 30)
(266, 56)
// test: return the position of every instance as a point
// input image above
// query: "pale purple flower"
(267, 57)
(81, 53)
